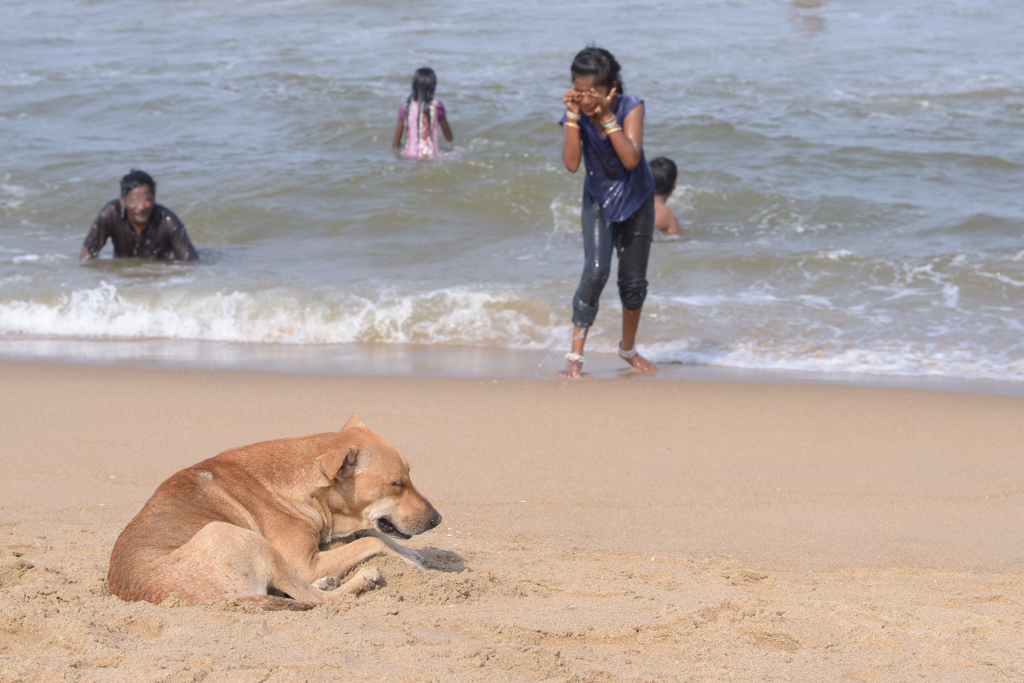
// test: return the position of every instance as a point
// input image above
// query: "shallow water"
(850, 177)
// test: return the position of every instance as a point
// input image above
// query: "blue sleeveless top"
(618, 192)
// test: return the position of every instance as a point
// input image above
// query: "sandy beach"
(603, 530)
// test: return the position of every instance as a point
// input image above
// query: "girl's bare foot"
(574, 367)
(638, 362)
(641, 364)
(571, 371)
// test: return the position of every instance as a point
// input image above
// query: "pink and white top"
(421, 135)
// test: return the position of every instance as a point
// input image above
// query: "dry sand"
(593, 531)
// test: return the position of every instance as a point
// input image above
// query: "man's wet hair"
(664, 171)
(137, 178)
(599, 63)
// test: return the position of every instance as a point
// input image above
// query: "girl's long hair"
(423, 83)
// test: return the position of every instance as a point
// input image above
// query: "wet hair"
(423, 83)
(664, 171)
(137, 178)
(599, 63)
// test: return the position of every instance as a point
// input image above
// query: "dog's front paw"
(328, 583)
(363, 580)
(372, 576)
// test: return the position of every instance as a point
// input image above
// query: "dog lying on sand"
(253, 523)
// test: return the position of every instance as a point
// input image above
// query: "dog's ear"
(354, 421)
(338, 463)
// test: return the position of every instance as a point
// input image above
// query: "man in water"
(138, 226)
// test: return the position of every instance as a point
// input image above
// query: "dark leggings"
(631, 240)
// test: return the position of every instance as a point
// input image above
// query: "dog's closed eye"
(398, 485)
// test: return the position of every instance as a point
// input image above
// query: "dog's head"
(370, 486)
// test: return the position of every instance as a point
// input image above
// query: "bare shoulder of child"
(664, 219)
(664, 171)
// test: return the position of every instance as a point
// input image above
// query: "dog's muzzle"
(386, 526)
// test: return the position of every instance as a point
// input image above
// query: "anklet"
(627, 355)
(575, 358)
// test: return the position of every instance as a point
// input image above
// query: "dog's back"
(179, 509)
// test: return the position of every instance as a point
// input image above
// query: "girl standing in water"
(604, 127)
(421, 115)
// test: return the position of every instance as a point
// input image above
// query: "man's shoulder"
(111, 209)
(109, 217)
(168, 217)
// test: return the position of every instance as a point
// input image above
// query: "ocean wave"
(461, 316)
(893, 358)
(42, 259)
(12, 196)
(451, 316)
(565, 215)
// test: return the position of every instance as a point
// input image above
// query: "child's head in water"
(424, 82)
(664, 171)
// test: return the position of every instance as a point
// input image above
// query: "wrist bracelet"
(613, 129)
(572, 117)
(610, 122)
(572, 124)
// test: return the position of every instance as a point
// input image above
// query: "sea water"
(851, 178)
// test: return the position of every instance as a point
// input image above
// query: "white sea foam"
(22, 259)
(565, 214)
(508, 319)
(909, 359)
(838, 254)
(12, 196)
(452, 316)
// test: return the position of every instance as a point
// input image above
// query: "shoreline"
(419, 360)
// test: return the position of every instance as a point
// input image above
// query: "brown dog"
(253, 523)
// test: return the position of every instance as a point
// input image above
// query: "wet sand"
(600, 530)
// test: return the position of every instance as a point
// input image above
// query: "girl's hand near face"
(572, 100)
(587, 100)
(601, 106)
(572, 151)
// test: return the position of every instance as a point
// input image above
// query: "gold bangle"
(613, 129)
(610, 122)
(572, 117)
(571, 124)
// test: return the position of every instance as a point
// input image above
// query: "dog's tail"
(274, 603)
